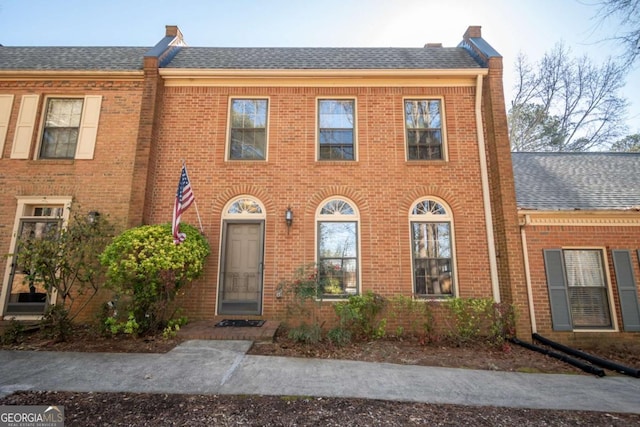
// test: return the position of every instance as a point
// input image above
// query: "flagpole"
(195, 201)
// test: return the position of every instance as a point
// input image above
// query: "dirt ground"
(107, 409)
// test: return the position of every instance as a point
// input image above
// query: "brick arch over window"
(337, 191)
(431, 235)
(444, 195)
(242, 190)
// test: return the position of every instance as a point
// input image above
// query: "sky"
(509, 26)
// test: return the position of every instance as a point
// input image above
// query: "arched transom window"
(432, 252)
(244, 206)
(337, 221)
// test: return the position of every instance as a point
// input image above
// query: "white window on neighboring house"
(69, 127)
(36, 218)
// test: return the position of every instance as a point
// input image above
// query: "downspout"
(486, 198)
(527, 275)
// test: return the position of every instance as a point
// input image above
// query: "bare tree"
(630, 144)
(564, 103)
(626, 13)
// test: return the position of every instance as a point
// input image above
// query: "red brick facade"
(153, 119)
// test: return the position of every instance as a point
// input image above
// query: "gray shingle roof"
(571, 181)
(323, 58)
(72, 58)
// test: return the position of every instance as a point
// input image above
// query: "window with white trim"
(336, 129)
(424, 133)
(432, 250)
(337, 222)
(36, 218)
(587, 288)
(248, 129)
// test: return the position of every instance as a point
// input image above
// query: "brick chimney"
(474, 31)
(433, 45)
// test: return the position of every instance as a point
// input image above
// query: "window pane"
(335, 133)
(248, 129)
(432, 258)
(424, 129)
(587, 289)
(62, 123)
(337, 239)
(337, 207)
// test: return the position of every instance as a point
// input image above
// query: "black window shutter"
(627, 290)
(557, 283)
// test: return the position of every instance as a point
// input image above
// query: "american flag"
(184, 198)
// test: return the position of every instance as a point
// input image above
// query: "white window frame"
(433, 218)
(443, 128)
(337, 217)
(227, 150)
(25, 206)
(87, 130)
(355, 128)
(607, 279)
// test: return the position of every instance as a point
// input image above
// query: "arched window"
(432, 251)
(337, 221)
(244, 206)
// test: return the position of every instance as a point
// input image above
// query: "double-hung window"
(336, 129)
(248, 133)
(432, 252)
(61, 128)
(423, 123)
(578, 291)
(337, 248)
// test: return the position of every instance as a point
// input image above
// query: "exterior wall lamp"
(288, 217)
(93, 217)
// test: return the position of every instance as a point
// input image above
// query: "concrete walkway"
(223, 367)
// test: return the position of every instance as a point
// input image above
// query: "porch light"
(288, 217)
(93, 216)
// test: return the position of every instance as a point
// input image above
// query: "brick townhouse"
(388, 167)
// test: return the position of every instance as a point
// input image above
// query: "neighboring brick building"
(580, 219)
(394, 163)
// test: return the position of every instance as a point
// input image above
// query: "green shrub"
(145, 264)
(339, 336)
(359, 313)
(480, 318)
(416, 314)
(13, 333)
(305, 333)
(65, 261)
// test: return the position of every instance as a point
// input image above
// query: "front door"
(240, 290)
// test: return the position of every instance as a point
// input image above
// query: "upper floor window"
(423, 123)
(61, 128)
(336, 131)
(248, 134)
(432, 249)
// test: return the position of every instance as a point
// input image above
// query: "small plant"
(129, 327)
(305, 333)
(173, 326)
(359, 313)
(56, 323)
(13, 334)
(339, 336)
(417, 315)
(469, 315)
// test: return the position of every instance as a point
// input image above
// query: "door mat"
(240, 323)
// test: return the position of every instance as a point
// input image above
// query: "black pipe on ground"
(604, 363)
(563, 357)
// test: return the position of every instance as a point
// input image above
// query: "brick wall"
(192, 125)
(104, 183)
(556, 237)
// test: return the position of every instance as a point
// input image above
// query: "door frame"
(223, 258)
